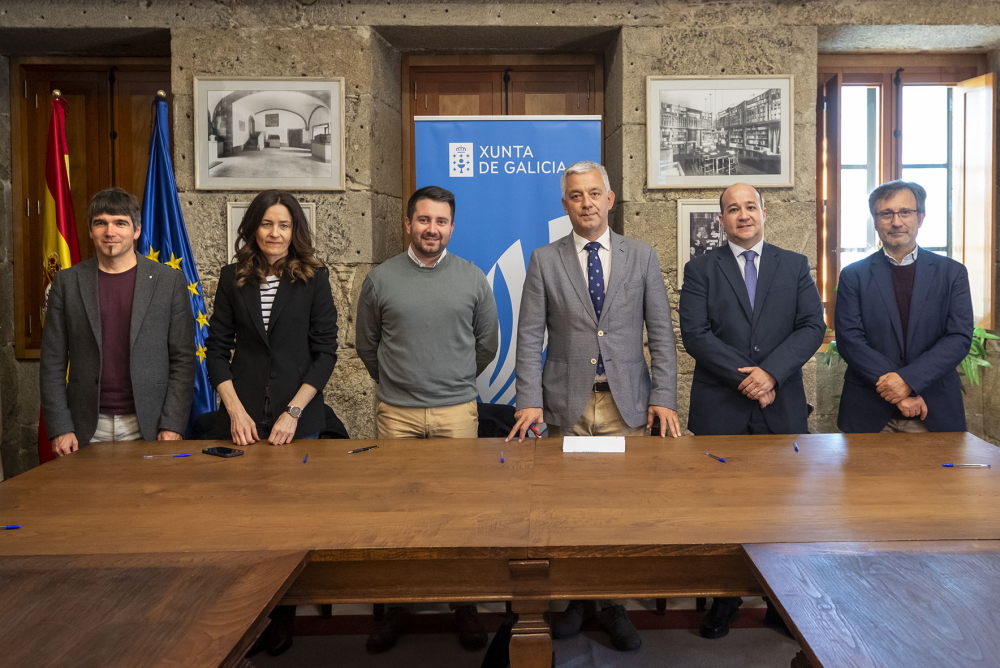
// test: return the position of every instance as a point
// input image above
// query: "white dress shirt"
(909, 258)
(604, 253)
(413, 256)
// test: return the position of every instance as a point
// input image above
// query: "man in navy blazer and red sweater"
(750, 317)
(904, 322)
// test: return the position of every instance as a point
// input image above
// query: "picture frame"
(698, 231)
(234, 216)
(712, 132)
(257, 133)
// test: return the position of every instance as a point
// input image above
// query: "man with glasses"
(904, 322)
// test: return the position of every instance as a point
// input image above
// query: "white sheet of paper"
(593, 444)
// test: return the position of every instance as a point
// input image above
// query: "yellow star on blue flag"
(200, 352)
(202, 319)
(174, 262)
(153, 255)
(193, 288)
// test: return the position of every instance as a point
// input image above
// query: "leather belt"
(602, 387)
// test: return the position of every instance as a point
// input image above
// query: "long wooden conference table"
(446, 520)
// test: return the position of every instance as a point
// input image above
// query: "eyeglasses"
(905, 215)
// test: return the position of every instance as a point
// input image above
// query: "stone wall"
(362, 42)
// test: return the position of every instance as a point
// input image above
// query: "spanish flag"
(60, 248)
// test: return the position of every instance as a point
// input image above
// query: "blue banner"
(164, 239)
(504, 171)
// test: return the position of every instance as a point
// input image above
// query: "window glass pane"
(854, 125)
(847, 257)
(854, 216)
(925, 125)
(934, 232)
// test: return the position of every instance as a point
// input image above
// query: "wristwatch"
(294, 411)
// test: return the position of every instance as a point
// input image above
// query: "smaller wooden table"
(907, 604)
(191, 610)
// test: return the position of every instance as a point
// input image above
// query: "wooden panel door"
(107, 131)
(133, 107)
(86, 123)
(456, 94)
(553, 93)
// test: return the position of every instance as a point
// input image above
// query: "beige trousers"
(600, 418)
(461, 421)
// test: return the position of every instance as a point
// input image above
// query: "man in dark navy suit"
(751, 317)
(904, 322)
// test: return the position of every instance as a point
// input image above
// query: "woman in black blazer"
(284, 351)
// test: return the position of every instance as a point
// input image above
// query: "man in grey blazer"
(122, 326)
(594, 290)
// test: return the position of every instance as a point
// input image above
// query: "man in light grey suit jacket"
(593, 290)
(122, 325)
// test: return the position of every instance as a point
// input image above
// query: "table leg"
(530, 642)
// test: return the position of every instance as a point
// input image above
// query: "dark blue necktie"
(595, 283)
(750, 274)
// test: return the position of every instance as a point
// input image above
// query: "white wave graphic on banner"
(512, 268)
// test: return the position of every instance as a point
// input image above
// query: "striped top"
(267, 292)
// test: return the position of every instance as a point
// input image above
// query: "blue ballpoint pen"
(967, 466)
(186, 454)
(9, 527)
(718, 459)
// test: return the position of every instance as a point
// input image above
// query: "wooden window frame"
(879, 70)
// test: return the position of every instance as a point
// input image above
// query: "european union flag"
(164, 239)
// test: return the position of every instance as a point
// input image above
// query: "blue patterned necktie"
(750, 274)
(595, 283)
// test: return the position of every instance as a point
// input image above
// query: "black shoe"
(387, 630)
(471, 634)
(277, 636)
(571, 621)
(615, 621)
(724, 610)
(773, 618)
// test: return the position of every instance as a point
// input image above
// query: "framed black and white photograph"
(255, 134)
(717, 131)
(234, 216)
(698, 231)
